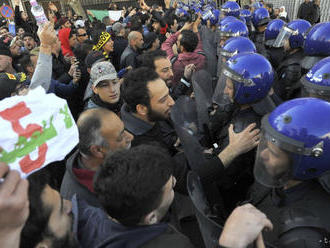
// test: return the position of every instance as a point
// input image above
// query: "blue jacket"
(94, 229)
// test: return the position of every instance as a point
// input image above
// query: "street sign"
(6, 11)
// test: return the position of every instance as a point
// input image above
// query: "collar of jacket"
(133, 124)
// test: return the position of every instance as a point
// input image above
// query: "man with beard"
(129, 56)
(50, 221)
(146, 114)
(101, 132)
(29, 41)
(135, 188)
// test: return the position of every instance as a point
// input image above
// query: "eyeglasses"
(80, 35)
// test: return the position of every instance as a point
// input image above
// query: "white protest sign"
(36, 129)
(115, 15)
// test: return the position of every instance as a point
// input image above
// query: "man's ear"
(151, 218)
(141, 109)
(97, 151)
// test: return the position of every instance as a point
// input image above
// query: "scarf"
(115, 107)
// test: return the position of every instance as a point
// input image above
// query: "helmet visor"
(272, 167)
(283, 36)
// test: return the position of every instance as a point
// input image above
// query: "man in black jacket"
(120, 43)
(146, 115)
(306, 11)
(129, 56)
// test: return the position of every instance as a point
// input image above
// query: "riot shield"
(184, 117)
(203, 89)
(264, 106)
(209, 228)
(210, 49)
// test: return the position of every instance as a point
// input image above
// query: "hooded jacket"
(64, 35)
(196, 57)
(93, 228)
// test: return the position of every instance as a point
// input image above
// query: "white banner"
(115, 15)
(36, 129)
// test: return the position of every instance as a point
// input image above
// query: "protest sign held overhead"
(37, 129)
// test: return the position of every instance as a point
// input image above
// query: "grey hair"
(89, 127)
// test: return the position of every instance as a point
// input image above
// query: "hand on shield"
(243, 226)
(244, 141)
(239, 143)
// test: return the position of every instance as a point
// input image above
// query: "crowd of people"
(199, 126)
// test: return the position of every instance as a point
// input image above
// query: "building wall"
(292, 7)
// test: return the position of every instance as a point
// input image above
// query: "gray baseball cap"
(103, 71)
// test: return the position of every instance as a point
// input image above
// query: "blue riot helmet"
(317, 45)
(294, 32)
(295, 143)
(260, 17)
(273, 29)
(227, 19)
(230, 8)
(248, 78)
(316, 83)
(236, 45)
(246, 14)
(234, 29)
(242, 19)
(214, 19)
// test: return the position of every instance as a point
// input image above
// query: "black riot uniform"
(279, 205)
(289, 73)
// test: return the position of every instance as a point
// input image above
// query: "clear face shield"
(279, 157)
(272, 167)
(226, 90)
(283, 36)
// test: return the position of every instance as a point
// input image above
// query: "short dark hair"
(36, 228)
(189, 40)
(82, 50)
(37, 222)
(134, 88)
(170, 19)
(25, 61)
(89, 127)
(129, 184)
(148, 59)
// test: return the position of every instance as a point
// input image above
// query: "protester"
(189, 47)
(129, 55)
(185, 85)
(97, 139)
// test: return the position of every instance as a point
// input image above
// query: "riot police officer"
(275, 54)
(247, 80)
(293, 152)
(260, 19)
(316, 83)
(316, 46)
(289, 72)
